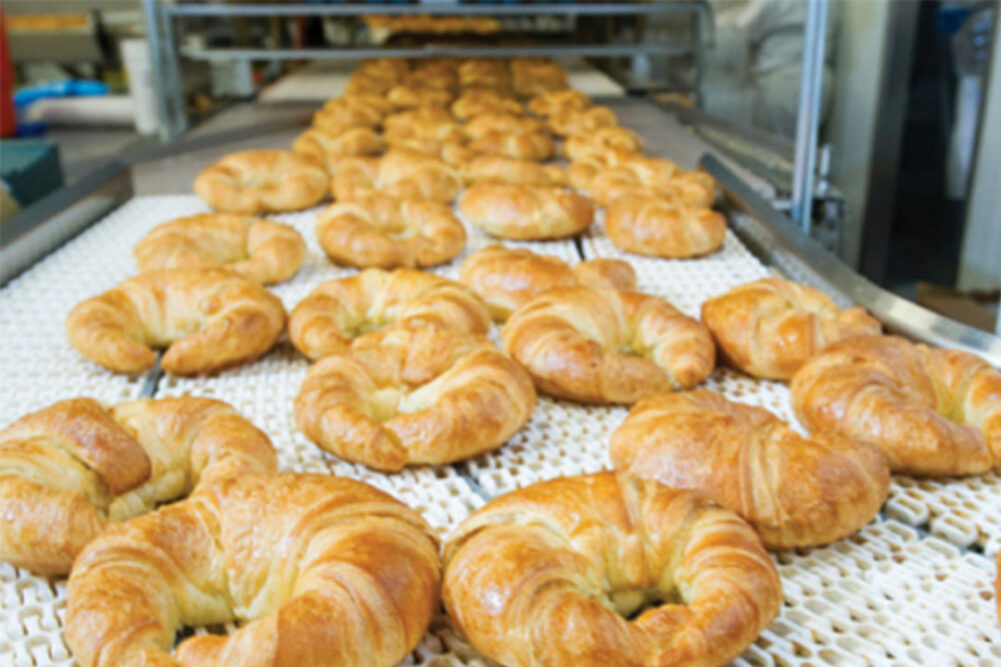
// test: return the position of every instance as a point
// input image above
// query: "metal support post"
(808, 118)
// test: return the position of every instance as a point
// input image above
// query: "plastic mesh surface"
(889, 595)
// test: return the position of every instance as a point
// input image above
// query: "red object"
(8, 121)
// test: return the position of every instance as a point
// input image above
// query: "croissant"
(426, 135)
(532, 78)
(795, 491)
(526, 212)
(932, 412)
(769, 328)
(485, 74)
(262, 181)
(262, 251)
(209, 319)
(582, 121)
(378, 230)
(660, 228)
(70, 469)
(506, 278)
(558, 102)
(338, 311)
(318, 571)
(606, 346)
(536, 146)
(434, 75)
(500, 169)
(411, 96)
(422, 117)
(601, 141)
(406, 396)
(606, 570)
(647, 176)
(360, 109)
(376, 76)
(399, 174)
(475, 102)
(504, 123)
(330, 148)
(582, 170)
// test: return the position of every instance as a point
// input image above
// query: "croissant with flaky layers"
(263, 251)
(658, 227)
(931, 411)
(795, 491)
(513, 171)
(524, 212)
(317, 570)
(69, 470)
(208, 319)
(262, 181)
(769, 328)
(607, 346)
(507, 278)
(608, 570)
(410, 396)
(338, 311)
(402, 174)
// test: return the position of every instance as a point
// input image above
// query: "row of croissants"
(170, 513)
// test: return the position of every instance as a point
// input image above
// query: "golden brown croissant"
(318, 570)
(533, 77)
(208, 319)
(606, 346)
(931, 411)
(506, 278)
(536, 146)
(68, 470)
(500, 169)
(262, 181)
(795, 491)
(660, 228)
(378, 230)
(571, 122)
(525, 211)
(769, 328)
(504, 123)
(582, 171)
(600, 141)
(376, 77)
(362, 109)
(338, 311)
(647, 176)
(475, 102)
(412, 96)
(409, 396)
(603, 570)
(426, 130)
(558, 102)
(485, 74)
(330, 148)
(262, 251)
(399, 174)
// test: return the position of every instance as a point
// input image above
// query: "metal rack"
(162, 17)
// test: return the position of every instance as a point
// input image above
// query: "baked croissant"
(410, 96)
(406, 396)
(475, 102)
(318, 570)
(536, 146)
(70, 469)
(795, 491)
(208, 319)
(558, 102)
(262, 181)
(330, 148)
(606, 346)
(378, 230)
(262, 251)
(500, 169)
(600, 141)
(399, 174)
(504, 123)
(427, 134)
(584, 168)
(657, 227)
(605, 570)
(526, 212)
(361, 109)
(338, 311)
(573, 122)
(506, 278)
(646, 176)
(931, 411)
(532, 78)
(769, 328)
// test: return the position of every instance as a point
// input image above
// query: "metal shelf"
(459, 9)
(431, 50)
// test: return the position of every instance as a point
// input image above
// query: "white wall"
(980, 261)
(858, 64)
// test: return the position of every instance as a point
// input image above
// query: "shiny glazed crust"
(262, 251)
(606, 346)
(932, 412)
(770, 327)
(795, 491)
(208, 319)
(549, 574)
(318, 570)
(526, 212)
(330, 148)
(399, 174)
(661, 228)
(69, 470)
(412, 396)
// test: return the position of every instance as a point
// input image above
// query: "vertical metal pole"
(808, 118)
(166, 77)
